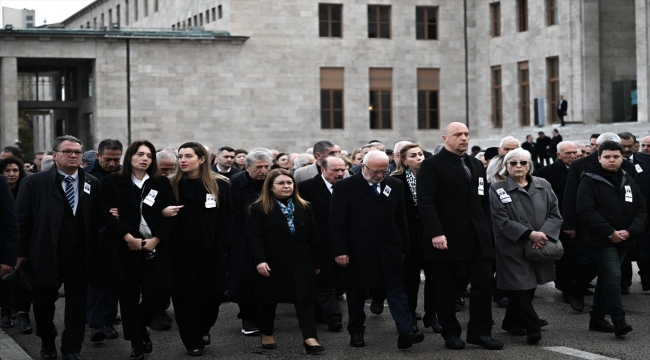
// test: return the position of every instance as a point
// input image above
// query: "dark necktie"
(376, 188)
(467, 171)
(69, 191)
(630, 160)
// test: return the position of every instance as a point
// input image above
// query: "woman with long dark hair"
(283, 241)
(139, 235)
(204, 214)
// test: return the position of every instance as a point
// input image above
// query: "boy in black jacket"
(612, 210)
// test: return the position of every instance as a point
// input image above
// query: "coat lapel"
(52, 174)
(454, 163)
(365, 187)
(322, 188)
(126, 187)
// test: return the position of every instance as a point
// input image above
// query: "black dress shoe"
(460, 301)
(457, 308)
(110, 332)
(566, 298)
(486, 342)
(7, 321)
(60, 294)
(195, 352)
(357, 340)
(622, 328)
(310, 349)
(147, 345)
(543, 322)
(577, 304)
(589, 292)
(48, 350)
(117, 320)
(601, 325)
(97, 334)
(72, 357)
(465, 293)
(136, 353)
(160, 322)
(432, 322)
(24, 323)
(502, 301)
(625, 290)
(454, 343)
(376, 308)
(418, 316)
(407, 339)
(335, 326)
(516, 331)
(591, 285)
(533, 339)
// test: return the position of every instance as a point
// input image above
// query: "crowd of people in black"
(194, 229)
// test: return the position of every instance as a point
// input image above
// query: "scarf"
(410, 179)
(288, 212)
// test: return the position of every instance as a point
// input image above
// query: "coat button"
(417, 216)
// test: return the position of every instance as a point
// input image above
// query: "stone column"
(8, 101)
(588, 50)
(642, 58)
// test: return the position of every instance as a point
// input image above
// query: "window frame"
(553, 83)
(495, 19)
(426, 22)
(497, 97)
(524, 93)
(332, 79)
(522, 15)
(329, 21)
(552, 15)
(378, 22)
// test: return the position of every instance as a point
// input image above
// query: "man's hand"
(342, 260)
(538, 239)
(263, 269)
(5, 269)
(624, 234)
(150, 244)
(170, 211)
(115, 212)
(440, 242)
(616, 237)
(317, 271)
(20, 262)
(571, 233)
(133, 243)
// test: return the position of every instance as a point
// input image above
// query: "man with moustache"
(318, 191)
(369, 237)
(166, 162)
(455, 211)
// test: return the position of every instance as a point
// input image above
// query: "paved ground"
(567, 333)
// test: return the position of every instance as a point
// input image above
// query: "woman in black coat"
(204, 214)
(139, 237)
(283, 241)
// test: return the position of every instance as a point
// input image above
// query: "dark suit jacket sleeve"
(108, 199)
(25, 215)
(339, 218)
(427, 185)
(569, 203)
(314, 240)
(167, 224)
(402, 223)
(226, 203)
(9, 241)
(255, 235)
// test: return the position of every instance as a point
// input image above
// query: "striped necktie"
(69, 191)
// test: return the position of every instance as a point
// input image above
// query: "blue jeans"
(607, 297)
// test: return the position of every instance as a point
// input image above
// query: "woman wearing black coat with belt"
(205, 215)
(283, 241)
(136, 240)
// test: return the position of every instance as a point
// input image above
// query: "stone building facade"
(259, 79)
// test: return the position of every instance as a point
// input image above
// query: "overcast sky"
(53, 10)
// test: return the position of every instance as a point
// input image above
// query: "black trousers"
(480, 306)
(195, 315)
(397, 303)
(327, 306)
(520, 312)
(14, 297)
(304, 313)
(567, 267)
(101, 307)
(587, 271)
(73, 275)
(136, 314)
(248, 311)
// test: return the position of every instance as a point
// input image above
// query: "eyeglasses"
(70, 152)
(282, 183)
(522, 163)
(377, 172)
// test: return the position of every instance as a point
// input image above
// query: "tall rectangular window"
(135, 10)
(426, 23)
(381, 85)
(201, 19)
(331, 98)
(551, 12)
(87, 24)
(189, 22)
(522, 10)
(117, 13)
(497, 113)
(126, 12)
(220, 11)
(524, 94)
(553, 71)
(330, 20)
(146, 8)
(495, 19)
(214, 16)
(428, 99)
(110, 18)
(102, 21)
(196, 20)
(95, 23)
(207, 16)
(155, 5)
(379, 21)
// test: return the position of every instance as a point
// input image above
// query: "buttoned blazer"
(9, 240)
(40, 207)
(371, 229)
(450, 205)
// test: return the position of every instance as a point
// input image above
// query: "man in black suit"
(541, 148)
(369, 237)
(588, 268)
(556, 174)
(556, 139)
(8, 229)
(529, 145)
(318, 191)
(58, 218)
(455, 211)
(223, 162)
(562, 107)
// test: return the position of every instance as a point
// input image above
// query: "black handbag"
(552, 249)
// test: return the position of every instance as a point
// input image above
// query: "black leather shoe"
(335, 326)
(589, 292)
(502, 301)
(160, 322)
(117, 320)
(136, 353)
(516, 331)
(407, 339)
(7, 321)
(432, 322)
(460, 301)
(147, 345)
(591, 285)
(601, 325)
(97, 334)
(457, 308)
(465, 293)
(625, 290)
(566, 298)
(533, 339)
(622, 328)
(577, 304)
(24, 323)
(376, 308)
(543, 322)
(195, 352)
(310, 349)
(357, 340)
(110, 332)
(454, 343)
(418, 316)
(60, 294)
(72, 357)
(206, 339)
(486, 342)
(48, 350)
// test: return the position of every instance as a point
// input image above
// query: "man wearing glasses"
(58, 219)
(369, 237)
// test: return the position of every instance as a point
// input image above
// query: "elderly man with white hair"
(369, 237)
(588, 267)
(508, 144)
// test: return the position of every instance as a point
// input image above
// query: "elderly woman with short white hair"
(524, 214)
